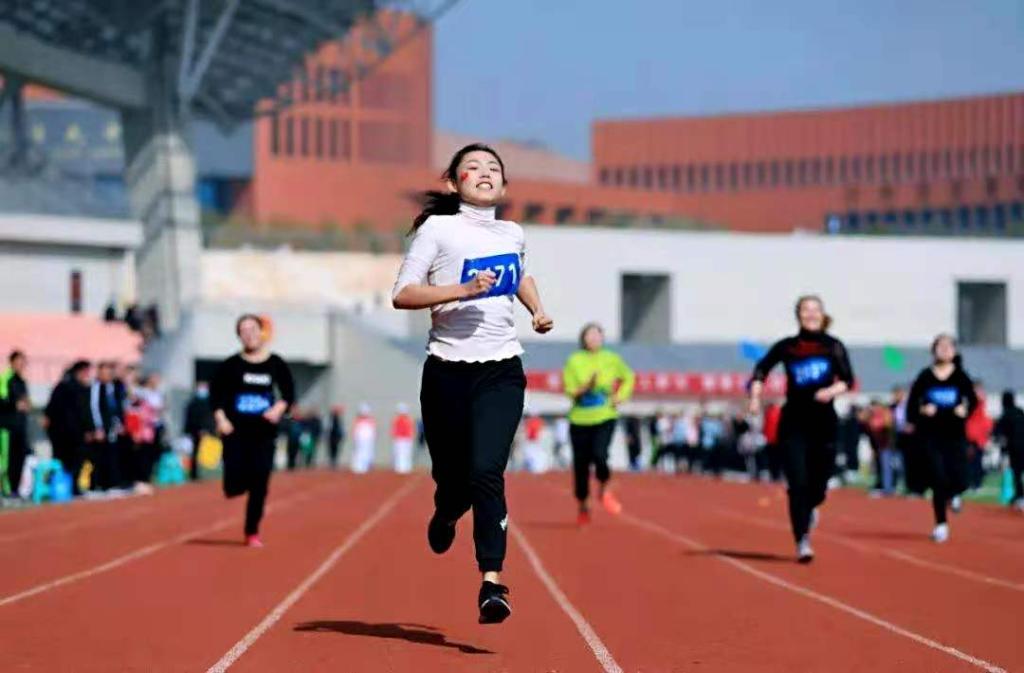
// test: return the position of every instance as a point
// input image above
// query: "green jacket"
(614, 383)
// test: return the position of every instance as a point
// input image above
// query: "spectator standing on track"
(850, 430)
(311, 443)
(534, 455)
(199, 422)
(941, 400)
(364, 440)
(1009, 431)
(14, 408)
(817, 370)
(106, 423)
(563, 447)
(631, 425)
(403, 437)
(336, 434)
(250, 394)
(979, 433)
(468, 267)
(597, 381)
(880, 434)
(67, 419)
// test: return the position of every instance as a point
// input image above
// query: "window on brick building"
(705, 177)
(603, 176)
(564, 214)
(304, 136)
(275, 135)
(677, 177)
(289, 136)
(532, 212)
(719, 177)
(691, 178)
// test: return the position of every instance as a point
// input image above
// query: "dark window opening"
(646, 308)
(981, 313)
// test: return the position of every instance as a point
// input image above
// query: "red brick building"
(360, 157)
(929, 166)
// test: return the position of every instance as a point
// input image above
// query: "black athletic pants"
(471, 411)
(248, 462)
(947, 460)
(590, 447)
(808, 442)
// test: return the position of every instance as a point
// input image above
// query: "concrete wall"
(38, 254)
(728, 288)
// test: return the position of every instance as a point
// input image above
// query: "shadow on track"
(413, 633)
(743, 555)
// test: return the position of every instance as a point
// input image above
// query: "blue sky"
(544, 69)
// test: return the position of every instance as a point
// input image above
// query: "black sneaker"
(494, 605)
(440, 534)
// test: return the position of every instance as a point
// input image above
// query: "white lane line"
(275, 615)
(814, 595)
(594, 642)
(885, 551)
(144, 551)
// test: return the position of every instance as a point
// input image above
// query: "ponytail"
(436, 203)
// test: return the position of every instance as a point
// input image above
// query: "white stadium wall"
(39, 253)
(727, 287)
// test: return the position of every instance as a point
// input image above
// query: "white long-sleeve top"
(451, 249)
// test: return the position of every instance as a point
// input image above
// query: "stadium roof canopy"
(224, 56)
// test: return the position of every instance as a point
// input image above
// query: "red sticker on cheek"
(463, 177)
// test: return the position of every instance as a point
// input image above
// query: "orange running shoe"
(611, 503)
(583, 518)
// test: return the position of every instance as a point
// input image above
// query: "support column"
(160, 176)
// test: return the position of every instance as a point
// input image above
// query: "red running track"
(696, 575)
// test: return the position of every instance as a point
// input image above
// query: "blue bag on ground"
(169, 470)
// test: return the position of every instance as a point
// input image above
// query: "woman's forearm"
(530, 296)
(412, 297)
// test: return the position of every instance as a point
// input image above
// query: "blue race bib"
(811, 371)
(592, 399)
(252, 404)
(944, 397)
(505, 267)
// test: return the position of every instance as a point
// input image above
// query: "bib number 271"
(505, 268)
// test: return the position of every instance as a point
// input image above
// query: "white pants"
(402, 452)
(362, 455)
(535, 457)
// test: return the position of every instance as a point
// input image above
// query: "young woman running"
(468, 267)
(817, 370)
(250, 394)
(939, 404)
(597, 381)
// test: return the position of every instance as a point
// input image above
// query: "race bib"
(944, 397)
(252, 404)
(593, 399)
(811, 371)
(506, 267)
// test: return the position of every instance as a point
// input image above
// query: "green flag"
(893, 358)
